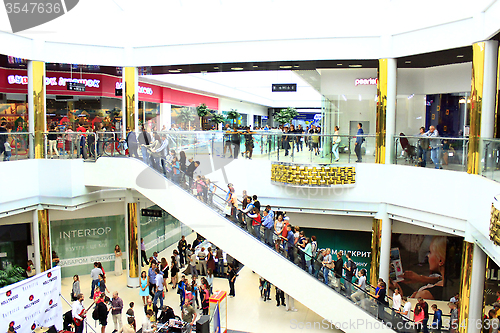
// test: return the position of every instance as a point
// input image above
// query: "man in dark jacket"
(182, 246)
(190, 171)
(339, 263)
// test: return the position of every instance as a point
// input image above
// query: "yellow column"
(476, 107)
(496, 130)
(36, 106)
(133, 258)
(465, 286)
(130, 95)
(380, 127)
(44, 236)
(376, 241)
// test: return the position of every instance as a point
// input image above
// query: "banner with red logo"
(33, 302)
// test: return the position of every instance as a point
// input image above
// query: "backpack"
(95, 314)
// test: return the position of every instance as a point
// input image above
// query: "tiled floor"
(247, 312)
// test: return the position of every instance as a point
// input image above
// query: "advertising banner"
(426, 266)
(80, 242)
(33, 302)
(356, 242)
(492, 285)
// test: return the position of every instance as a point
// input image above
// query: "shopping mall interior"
(153, 125)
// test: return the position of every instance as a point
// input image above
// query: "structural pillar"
(36, 241)
(36, 108)
(381, 246)
(44, 240)
(165, 116)
(130, 98)
(375, 260)
(483, 100)
(477, 289)
(132, 245)
(465, 287)
(386, 111)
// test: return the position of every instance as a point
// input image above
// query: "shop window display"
(149, 114)
(94, 113)
(14, 112)
(185, 118)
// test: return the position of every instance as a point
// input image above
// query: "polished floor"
(247, 312)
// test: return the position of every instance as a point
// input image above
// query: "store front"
(95, 108)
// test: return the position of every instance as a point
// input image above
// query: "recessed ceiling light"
(296, 66)
(460, 56)
(255, 66)
(285, 67)
(216, 67)
(355, 65)
(407, 62)
(173, 71)
(179, 69)
(339, 64)
(237, 68)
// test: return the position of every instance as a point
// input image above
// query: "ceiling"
(252, 86)
(157, 22)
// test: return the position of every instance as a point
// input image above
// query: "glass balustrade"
(431, 152)
(15, 146)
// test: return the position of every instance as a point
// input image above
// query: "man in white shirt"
(435, 145)
(160, 284)
(78, 313)
(360, 293)
(147, 326)
(406, 308)
(202, 258)
(192, 265)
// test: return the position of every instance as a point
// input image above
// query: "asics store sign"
(54, 81)
(142, 90)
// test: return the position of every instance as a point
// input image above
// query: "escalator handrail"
(353, 286)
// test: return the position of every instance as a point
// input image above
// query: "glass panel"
(15, 146)
(491, 158)
(436, 152)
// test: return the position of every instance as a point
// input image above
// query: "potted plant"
(285, 116)
(233, 115)
(217, 118)
(202, 111)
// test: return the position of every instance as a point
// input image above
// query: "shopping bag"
(227, 210)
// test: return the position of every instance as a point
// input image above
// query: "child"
(194, 288)
(7, 152)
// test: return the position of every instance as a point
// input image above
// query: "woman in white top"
(336, 143)
(396, 300)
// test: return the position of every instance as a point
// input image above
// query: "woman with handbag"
(75, 289)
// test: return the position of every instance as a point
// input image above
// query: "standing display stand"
(218, 312)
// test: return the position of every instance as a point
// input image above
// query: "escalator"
(209, 220)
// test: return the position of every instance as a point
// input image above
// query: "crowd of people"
(341, 273)
(156, 280)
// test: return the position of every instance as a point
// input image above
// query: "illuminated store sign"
(54, 81)
(366, 82)
(142, 90)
